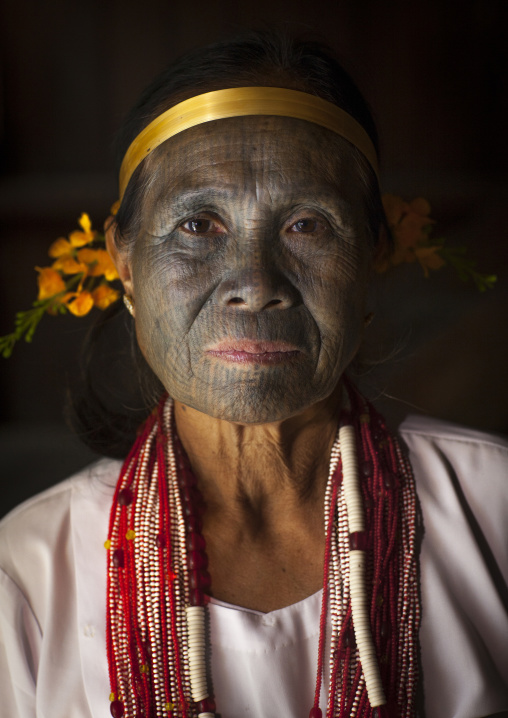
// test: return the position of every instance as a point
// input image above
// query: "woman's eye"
(197, 226)
(201, 226)
(306, 225)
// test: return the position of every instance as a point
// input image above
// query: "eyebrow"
(191, 198)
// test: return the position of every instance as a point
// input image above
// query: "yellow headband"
(239, 102)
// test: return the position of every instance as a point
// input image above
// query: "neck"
(251, 470)
(263, 487)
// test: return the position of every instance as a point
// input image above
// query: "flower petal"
(50, 282)
(79, 239)
(99, 262)
(89, 257)
(81, 305)
(68, 265)
(412, 230)
(429, 258)
(104, 295)
(394, 208)
(108, 266)
(60, 246)
(85, 223)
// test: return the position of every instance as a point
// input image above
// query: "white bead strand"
(197, 652)
(357, 587)
(361, 625)
(352, 490)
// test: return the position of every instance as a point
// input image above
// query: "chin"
(257, 402)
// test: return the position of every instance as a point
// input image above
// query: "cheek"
(168, 298)
(337, 299)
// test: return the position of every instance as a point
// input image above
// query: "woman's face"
(250, 269)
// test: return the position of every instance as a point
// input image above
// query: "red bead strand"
(170, 584)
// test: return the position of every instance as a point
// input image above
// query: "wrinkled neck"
(258, 472)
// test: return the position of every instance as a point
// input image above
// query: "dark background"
(435, 74)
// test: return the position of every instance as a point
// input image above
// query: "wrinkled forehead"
(263, 154)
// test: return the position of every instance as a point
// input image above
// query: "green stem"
(26, 323)
(465, 268)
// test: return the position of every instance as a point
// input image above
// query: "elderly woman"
(259, 552)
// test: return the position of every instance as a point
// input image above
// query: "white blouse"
(53, 588)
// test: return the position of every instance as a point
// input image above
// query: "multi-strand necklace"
(158, 583)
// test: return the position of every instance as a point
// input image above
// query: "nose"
(257, 290)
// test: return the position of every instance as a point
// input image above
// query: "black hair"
(270, 58)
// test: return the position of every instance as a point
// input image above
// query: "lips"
(246, 351)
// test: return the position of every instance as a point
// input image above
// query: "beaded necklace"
(157, 579)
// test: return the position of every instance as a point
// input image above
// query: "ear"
(119, 255)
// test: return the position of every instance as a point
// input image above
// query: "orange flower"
(88, 256)
(412, 229)
(103, 296)
(409, 225)
(50, 283)
(80, 238)
(409, 222)
(60, 247)
(421, 206)
(98, 262)
(429, 258)
(79, 303)
(68, 265)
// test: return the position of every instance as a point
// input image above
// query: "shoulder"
(462, 479)
(416, 428)
(461, 476)
(39, 529)
(52, 588)
(53, 502)
(474, 458)
(458, 469)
